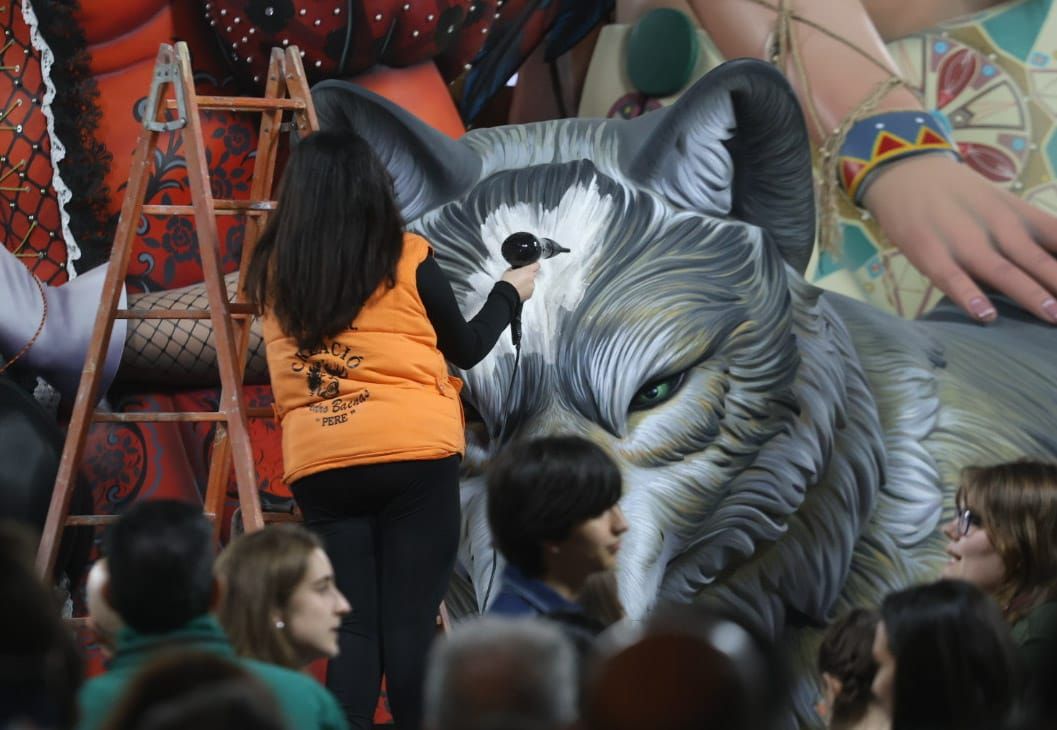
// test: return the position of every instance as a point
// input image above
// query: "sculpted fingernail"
(1050, 307)
(981, 308)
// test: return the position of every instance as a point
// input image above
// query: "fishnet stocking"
(182, 350)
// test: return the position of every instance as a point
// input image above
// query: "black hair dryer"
(521, 249)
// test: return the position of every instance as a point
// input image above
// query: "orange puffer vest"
(378, 392)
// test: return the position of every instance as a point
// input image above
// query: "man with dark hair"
(160, 560)
(553, 512)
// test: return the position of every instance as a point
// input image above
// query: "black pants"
(391, 532)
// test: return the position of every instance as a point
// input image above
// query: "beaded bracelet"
(877, 140)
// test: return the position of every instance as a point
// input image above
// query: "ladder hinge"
(168, 73)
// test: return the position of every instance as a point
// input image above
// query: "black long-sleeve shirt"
(464, 344)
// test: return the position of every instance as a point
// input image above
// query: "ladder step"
(91, 520)
(220, 207)
(237, 309)
(158, 417)
(175, 416)
(99, 520)
(272, 518)
(243, 103)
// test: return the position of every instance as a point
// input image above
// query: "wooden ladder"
(286, 90)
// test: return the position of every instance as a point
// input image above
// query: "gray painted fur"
(810, 450)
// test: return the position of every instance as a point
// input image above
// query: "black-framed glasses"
(966, 519)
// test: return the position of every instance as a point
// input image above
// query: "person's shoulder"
(1039, 623)
(416, 246)
(1044, 617)
(96, 698)
(273, 673)
(509, 603)
(300, 695)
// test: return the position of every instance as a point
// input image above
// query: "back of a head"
(846, 653)
(40, 666)
(336, 236)
(1040, 698)
(194, 689)
(689, 669)
(160, 559)
(955, 664)
(17, 543)
(540, 489)
(495, 673)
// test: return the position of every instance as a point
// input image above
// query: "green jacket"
(1035, 633)
(305, 702)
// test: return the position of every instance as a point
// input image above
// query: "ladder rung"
(174, 416)
(98, 520)
(159, 417)
(243, 103)
(272, 518)
(93, 520)
(220, 207)
(237, 309)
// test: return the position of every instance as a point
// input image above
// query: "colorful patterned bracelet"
(875, 141)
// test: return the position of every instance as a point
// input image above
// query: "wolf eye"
(656, 392)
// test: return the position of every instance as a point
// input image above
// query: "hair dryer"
(521, 249)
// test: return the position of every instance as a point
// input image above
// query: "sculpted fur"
(787, 453)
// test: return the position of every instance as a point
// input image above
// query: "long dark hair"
(956, 666)
(336, 237)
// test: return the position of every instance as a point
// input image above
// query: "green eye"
(656, 392)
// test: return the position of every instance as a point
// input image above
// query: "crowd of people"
(226, 642)
(978, 648)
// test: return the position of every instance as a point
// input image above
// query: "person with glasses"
(1003, 539)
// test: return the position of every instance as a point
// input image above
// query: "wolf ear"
(733, 144)
(428, 167)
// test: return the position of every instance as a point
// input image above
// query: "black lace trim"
(77, 117)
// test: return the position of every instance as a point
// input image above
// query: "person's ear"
(831, 689)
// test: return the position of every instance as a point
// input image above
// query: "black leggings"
(391, 532)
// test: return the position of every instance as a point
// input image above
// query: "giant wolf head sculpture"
(786, 453)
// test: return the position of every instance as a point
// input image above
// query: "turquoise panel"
(1015, 30)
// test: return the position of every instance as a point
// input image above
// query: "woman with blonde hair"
(1003, 539)
(280, 604)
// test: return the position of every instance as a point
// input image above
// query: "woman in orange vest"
(358, 320)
